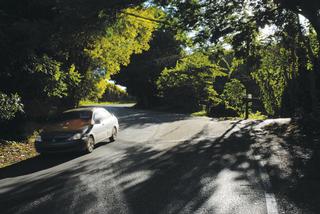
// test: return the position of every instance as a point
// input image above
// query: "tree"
(308, 8)
(189, 84)
(271, 77)
(239, 22)
(114, 93)
(216, 18)
(233, 95)
(56, 50)
(141, 74)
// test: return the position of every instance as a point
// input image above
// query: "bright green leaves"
(233, 94)
(190, 84)
(129, 35)
(273, 75)
(74, 76)
(101, 88)
(52, 77)
(53, 80)
(10, 105)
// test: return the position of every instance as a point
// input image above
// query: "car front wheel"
(90, 145)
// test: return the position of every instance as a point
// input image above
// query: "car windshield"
(75, 115)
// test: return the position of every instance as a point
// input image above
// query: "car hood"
(68, 126)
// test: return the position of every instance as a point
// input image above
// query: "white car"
(78, 130)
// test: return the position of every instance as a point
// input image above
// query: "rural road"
(161, 163)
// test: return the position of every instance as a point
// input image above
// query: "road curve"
(161, 163)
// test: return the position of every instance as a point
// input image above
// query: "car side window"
(106, 114)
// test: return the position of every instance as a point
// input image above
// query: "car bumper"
(61, 147)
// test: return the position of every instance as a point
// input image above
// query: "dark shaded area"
(297, 182)
(38, 163)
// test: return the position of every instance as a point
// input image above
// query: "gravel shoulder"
(292, 155)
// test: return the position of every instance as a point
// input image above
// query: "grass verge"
(88, 102)
(200, 114)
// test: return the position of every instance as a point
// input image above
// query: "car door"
(108, 123)
(98, 128)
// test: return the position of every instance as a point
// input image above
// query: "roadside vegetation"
(12, 152)
(291, 153)
(88, 103)
(113, 94)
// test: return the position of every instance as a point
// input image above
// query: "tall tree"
(240, 21)
(53, 50)
(141, 74)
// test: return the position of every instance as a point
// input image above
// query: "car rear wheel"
(114, 134)
(90, 145)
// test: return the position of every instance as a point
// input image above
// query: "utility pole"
(247, 99)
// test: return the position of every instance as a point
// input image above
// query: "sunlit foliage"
(190, 83)
(271, 77)
(63, 51)
(233, 95)
(129, 35)
(10, 105)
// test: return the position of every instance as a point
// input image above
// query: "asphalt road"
(160, 163)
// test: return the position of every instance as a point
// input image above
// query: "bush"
(233, 94)
(10, 105)
(189, 85)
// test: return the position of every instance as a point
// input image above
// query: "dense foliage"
(233, 96)
(278, 48)
(200, 53)
(63, 51)
(189, 84)
(114, 93)
(9, 106)
(141, 74)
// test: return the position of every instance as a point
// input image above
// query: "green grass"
(257, 116)
(88, 102)
(253, 116)
(200, 114)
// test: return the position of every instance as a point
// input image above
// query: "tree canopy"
(62, 50)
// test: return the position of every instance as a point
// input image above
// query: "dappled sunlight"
(180, 179)
(204, 174)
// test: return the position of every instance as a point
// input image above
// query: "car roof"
(92, 109)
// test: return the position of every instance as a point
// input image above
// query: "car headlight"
(38, 138)
(76, 137)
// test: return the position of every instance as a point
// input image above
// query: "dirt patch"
(12, 152)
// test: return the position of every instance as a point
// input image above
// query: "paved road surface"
(161, 163)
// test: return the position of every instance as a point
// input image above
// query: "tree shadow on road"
(134, 117)
(182, 179)
(35, 164)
